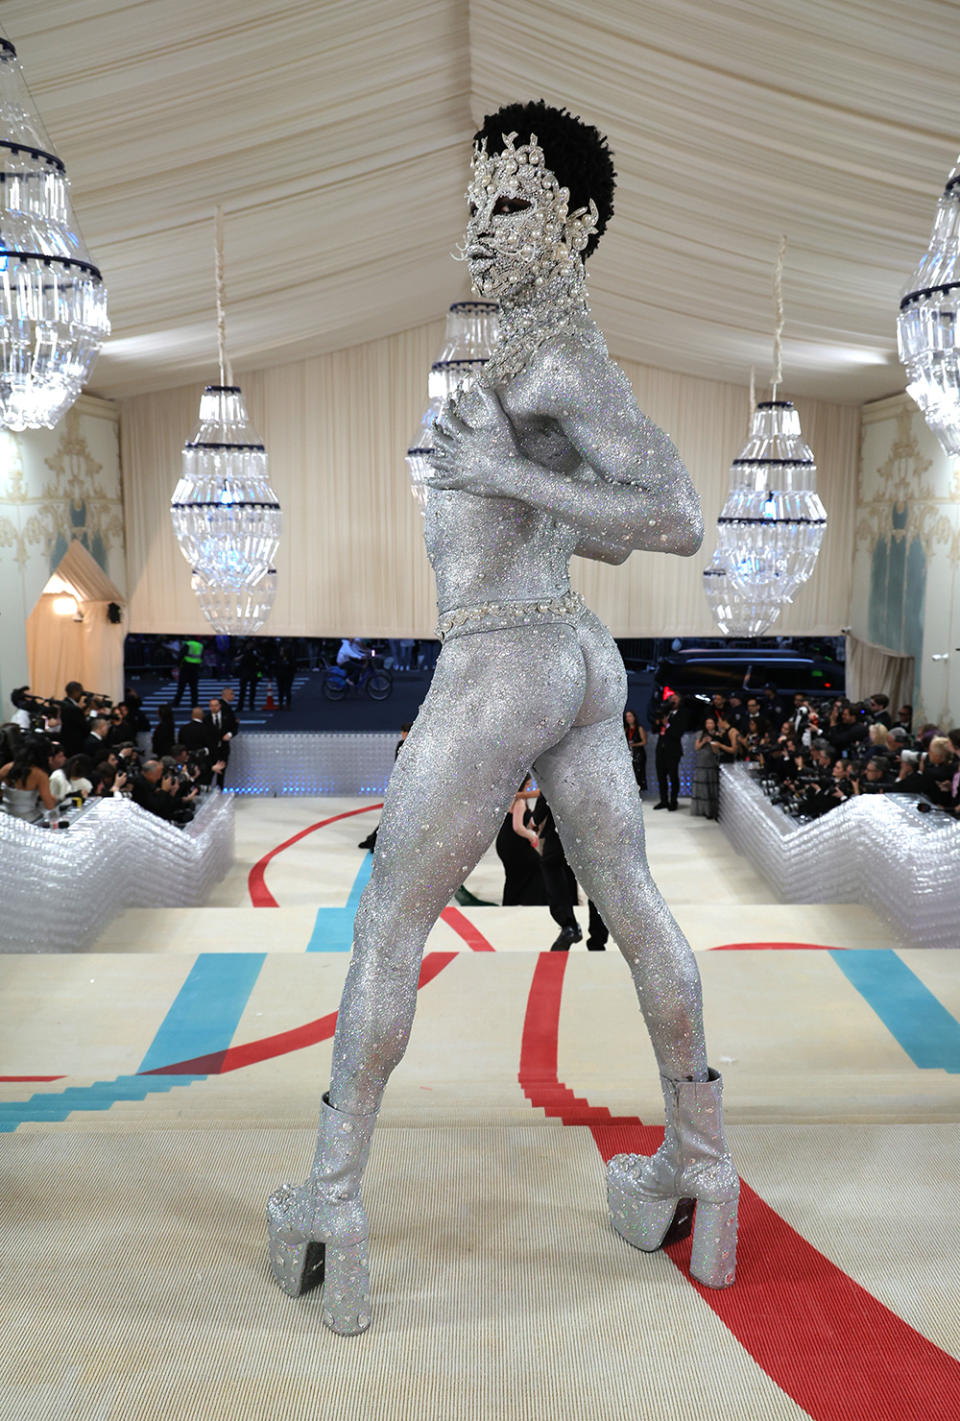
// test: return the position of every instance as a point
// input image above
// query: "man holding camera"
(157, 790)
(73, 719)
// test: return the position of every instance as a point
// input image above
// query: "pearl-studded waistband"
(490, 616)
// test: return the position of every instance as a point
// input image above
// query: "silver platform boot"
(652, 1198)
(317, 1231)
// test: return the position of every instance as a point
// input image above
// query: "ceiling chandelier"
(771, 527)
(226, 516)
(236, 611)
(734, 613)
(469, 337)
(927, 323)
(53, 303)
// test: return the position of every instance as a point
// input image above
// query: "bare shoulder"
(572, 374)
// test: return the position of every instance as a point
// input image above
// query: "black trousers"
(248, 683)
(284, 689)
(561, 892)
(189, 676)
(668, 772)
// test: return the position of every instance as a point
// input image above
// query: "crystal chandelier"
(225, 514)
(469, 337)
(236, 611)
(53, 303)
(735, 614)
(927, 323)
(772, 524)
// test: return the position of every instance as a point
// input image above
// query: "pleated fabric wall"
(352, 560)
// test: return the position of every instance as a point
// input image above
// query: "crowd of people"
(56, 755)
(811, 754)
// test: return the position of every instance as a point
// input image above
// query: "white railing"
(874, 849)
(59, 888)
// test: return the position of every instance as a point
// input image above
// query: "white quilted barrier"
(877, 849)
(60, 887)
(311, 762)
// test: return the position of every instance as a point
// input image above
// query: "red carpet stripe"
(260, 894)
(775, 947)
(821, 1337)
(462, 925)
(33, 1078)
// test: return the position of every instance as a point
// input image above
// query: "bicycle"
(374, 680)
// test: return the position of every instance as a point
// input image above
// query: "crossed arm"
(631, 490)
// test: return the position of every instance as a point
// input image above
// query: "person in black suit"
(672, 723)
(74, 727)
(221, 724)
(98, 744)
(196, 734)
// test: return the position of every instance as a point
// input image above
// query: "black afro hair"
(576, 153)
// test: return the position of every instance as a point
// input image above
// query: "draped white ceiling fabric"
(336, 135)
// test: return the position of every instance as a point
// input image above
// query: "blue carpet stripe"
(333, 927)
(207, 1009)
(57, 1105)
(918, 1021)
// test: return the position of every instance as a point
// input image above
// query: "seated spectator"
(75, 778)
(25, 785)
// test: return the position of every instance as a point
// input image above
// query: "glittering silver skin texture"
(547, 457)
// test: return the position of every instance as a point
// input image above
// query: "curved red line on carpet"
(281, 1044)
(822, 1338)
(462, 925)
(32, 1078)
(775, 947)
(260, 894)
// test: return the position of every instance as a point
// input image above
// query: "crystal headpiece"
(523, 173)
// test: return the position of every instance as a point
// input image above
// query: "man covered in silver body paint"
(546, 456)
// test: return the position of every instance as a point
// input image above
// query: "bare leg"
(484, 721)
(588, 779)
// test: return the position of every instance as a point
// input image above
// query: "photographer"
(847, 730)
(875, 777)
(73, 719)
(158, 790)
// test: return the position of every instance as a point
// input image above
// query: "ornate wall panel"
(55, 485)
(907, 552)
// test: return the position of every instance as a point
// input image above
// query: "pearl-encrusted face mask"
(520, 231)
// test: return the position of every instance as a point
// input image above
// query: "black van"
(703, 670)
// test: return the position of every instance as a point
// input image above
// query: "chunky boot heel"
(652, 1198)
(713, 1260)
(317, 1231)
(346, 1289)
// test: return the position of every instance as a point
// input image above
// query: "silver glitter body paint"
(552, 457)
(546, 456)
